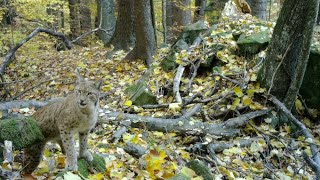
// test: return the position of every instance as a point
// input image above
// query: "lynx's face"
(87, 92)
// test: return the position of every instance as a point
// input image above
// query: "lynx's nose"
(82, 103)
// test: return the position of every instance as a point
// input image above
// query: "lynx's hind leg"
(32, 156)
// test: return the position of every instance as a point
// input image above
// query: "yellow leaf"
(238, 91)
(246, 100)
(81, 65)
(71, 88)
(174, 107)
(299, 106)
(98, 176)
(253, 77)
(60, 163)
(1, 114)
(250, 92)
(128, 103)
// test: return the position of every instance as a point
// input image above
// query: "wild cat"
(59, 121)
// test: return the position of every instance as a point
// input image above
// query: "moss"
(200, 169)
(22, 132)
(97, 163)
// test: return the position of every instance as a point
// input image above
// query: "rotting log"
(181, 125)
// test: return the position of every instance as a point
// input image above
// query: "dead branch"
(28, 89)
(219, 147)
(226, 78)
(8, 58)
(118, 134)
(176, 83)
(314, 163)
(135, 150)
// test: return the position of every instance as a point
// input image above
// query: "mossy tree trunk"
(124, 36)
(145, 46)
(105, 18)
(318, 19)
(259, 8)
(283, 69)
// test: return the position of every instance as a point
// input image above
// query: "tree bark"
(74, 18)
(259, 8)
(283, 69)
(106, 18)
(145, 46)
(164, 25)
(124, 36)
(318, 19)
(85, 16)
(199, 13)
(178, 15)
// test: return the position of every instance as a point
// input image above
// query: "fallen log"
(181, 125)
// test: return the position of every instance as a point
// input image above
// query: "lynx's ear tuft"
(98, 84)
(79, 77)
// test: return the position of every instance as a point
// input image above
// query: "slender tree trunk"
(259, 8)
(124, 36)
(199, 12)
(318, 19)
(106, 18)
(169, 21)
(74, 18)
(178, 15)
(153, 20)
(164, 25)
(145, 46)
(85, 16)
(283, 69)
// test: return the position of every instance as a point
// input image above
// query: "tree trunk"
(124, 36)
(283, 69)
(318, 19)
(178, 15)
(85, 16)
(199, 12)
(145, 46)
(74, 18)
(164, 25)
(106, 18)
(259, 8)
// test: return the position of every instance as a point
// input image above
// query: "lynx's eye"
(79, 91)
(90, 93)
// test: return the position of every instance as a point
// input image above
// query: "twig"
(315, 162)
(8, 58)
(226, 78)
(194, 74)
(23, 92)
(274, 74)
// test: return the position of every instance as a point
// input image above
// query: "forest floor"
(50, 74)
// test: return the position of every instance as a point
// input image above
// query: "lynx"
(59, 121)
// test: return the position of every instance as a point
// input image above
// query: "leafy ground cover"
(40, 72)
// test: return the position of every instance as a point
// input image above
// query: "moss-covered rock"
(254, 43)
(140, 94)
(192, 31)
(98, 165)
(22, 132)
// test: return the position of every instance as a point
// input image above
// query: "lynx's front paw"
(71, 167)
(86, 155)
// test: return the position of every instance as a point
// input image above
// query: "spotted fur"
(76, 114)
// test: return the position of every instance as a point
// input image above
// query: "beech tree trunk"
(318, 19)
(124, 36)
(178, 15)
(145, 46)
(105, 18)
(199, 12)
(259, 8)
(85, 16)
(283, 69)
(74, 18)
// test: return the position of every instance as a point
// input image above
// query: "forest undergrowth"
(227, 90)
